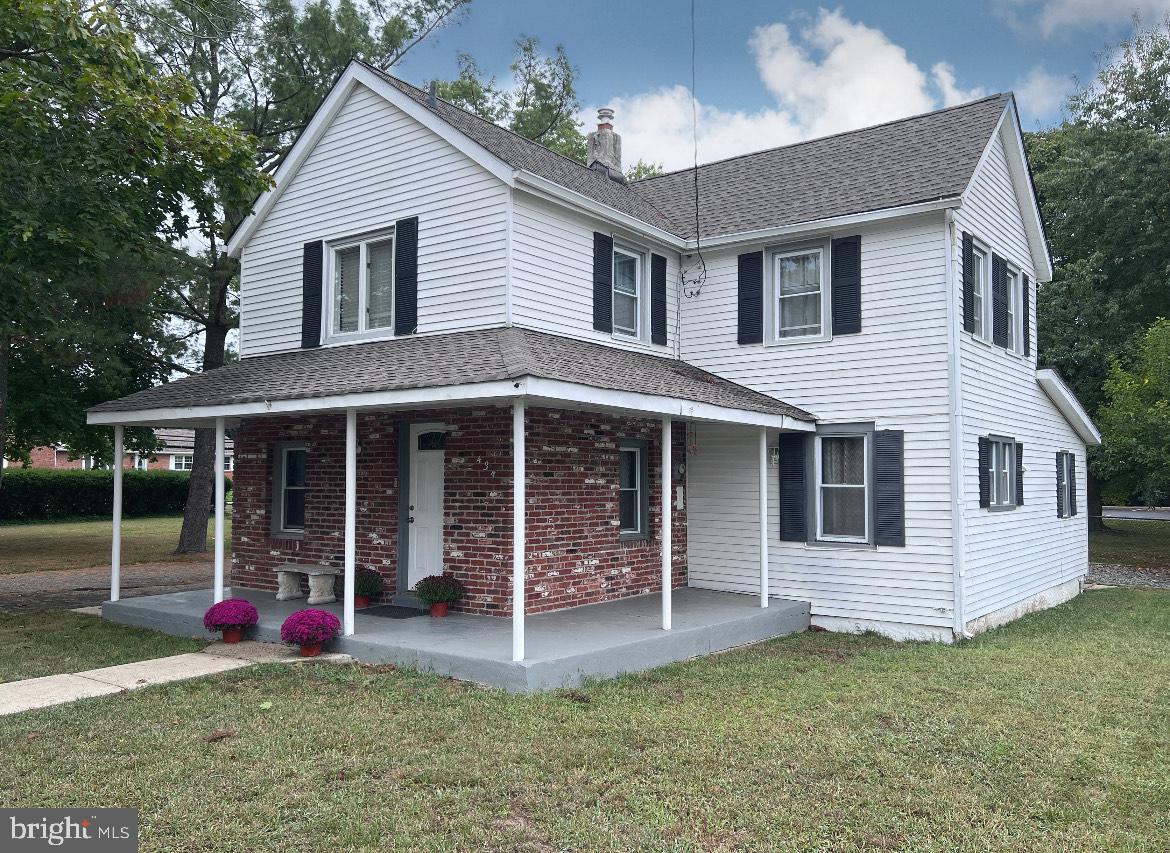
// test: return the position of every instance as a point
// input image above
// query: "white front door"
(425, 510)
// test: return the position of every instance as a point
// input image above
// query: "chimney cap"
(605, 115)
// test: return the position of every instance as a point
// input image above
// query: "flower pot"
(310, 650)
(233, 635)
(361, 601)
(439, 608)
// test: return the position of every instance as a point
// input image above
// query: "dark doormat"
(392, 611)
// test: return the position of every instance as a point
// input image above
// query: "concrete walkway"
(18, 696)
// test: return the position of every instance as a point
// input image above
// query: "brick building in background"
(177, 454)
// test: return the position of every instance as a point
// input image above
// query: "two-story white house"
(807, 373)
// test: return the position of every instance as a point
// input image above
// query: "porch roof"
(480, 365)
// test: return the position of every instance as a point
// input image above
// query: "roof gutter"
(764, 234)
(572, 199)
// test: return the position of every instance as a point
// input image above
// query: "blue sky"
(769, 73)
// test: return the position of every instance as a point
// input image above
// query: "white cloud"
(1041, 94)
(829, 75)
(1050, 16)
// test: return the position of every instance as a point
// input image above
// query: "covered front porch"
(563, 648)
(529, 430)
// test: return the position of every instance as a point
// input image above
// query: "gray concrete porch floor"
(563, 648)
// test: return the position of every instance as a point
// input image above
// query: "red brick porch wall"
(574, 555)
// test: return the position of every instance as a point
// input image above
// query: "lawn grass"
(50, 642)
(52, 546)
(1132, 543)
(1049, 734)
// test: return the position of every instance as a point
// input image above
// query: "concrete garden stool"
(288, 578)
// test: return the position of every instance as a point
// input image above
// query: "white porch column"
(116, 543)
(667, 548)
(518, 530)
(763, 517)
(219, 499)
(350, 519)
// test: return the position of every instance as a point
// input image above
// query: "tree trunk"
(193, 538)
(5, 348)
(1093, 499)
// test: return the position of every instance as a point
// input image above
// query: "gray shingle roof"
(521, 153)
(434, 361)
(923, 158)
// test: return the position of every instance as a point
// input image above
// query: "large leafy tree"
(1135, 420)
(1103, 177)
(261, 67)
(102, 166)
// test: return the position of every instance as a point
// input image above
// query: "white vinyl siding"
(552, 275)
(373, 166)
(1014, 555)
(894, 374)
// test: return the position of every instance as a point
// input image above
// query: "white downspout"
(955, 418)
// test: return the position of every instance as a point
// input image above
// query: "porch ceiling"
(491, 365)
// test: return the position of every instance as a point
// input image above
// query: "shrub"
(230, 613)
(438, 589)
(309, 627)
(37, 494)
(369, 583)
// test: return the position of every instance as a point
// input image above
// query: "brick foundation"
(573, 556)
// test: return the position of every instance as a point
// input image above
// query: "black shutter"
(602, 282)
(406, 276)
(999, 301)
(1027, 303)
(312, 263)
(1019, 474)
(751, 298)
(1060, 507)
(968, 282)
(984, 474)
(846, 285)
(889, 489)
(657, 299)
(793, 490)
(1072, 484)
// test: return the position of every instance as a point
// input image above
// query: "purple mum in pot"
(309, 628)
(238, 613)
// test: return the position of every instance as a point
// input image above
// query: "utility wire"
(693, 286)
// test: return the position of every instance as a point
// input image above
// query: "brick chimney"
(603, 148)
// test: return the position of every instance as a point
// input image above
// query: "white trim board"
(537, 391)
(1068, 405)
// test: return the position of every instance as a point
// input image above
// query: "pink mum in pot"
(238, 613)
(309, 628)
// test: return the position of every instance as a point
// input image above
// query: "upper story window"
(1013, 309)
(982, 288)
(362, 279)
(799, 288)
(627, 292)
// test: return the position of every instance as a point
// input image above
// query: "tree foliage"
(540, 105)
(1135, 420)
(101, 166)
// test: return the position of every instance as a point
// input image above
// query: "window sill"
(841, 545)
(286, 534)
(804, 339)
(1002, 508)
(633, 537)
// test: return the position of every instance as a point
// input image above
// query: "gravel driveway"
(63, 590)
(1129, 576)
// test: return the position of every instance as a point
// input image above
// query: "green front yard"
(51, 546)
(50, 642)
(1050, 734)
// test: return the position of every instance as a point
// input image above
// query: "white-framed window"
(1001, 474)
(980, 292)
(1067, 484)
(799, 293)
(842, 477)
(229, 463)
(1013, 308)
(289, 482)
(361, 285)
(633, 499)
(182, 462)
(628, 277)
(141, 461)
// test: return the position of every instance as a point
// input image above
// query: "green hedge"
(36, 494)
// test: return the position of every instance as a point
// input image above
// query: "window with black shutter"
(793, 490)
(658, 300)
(1066, 485)
(312, 284)
(845, 289)
(751, 298)
(602, 282)
(1000, 472)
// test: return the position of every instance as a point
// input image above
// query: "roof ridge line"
(996, 96)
